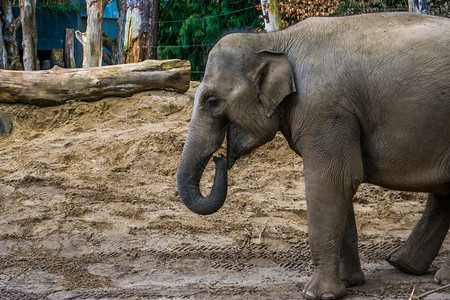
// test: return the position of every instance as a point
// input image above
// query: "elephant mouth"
(232, 154)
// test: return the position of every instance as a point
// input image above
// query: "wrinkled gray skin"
(361, 99)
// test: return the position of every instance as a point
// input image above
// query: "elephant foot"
(409, 261)
(321, 288)
(353, 278)
(417, 253)
(442, 276)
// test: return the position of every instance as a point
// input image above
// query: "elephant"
(361, 99)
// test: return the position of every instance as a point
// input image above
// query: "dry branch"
(58, 86)
(432, 292)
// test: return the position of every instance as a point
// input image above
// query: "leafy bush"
(59, 9)
(293, 11)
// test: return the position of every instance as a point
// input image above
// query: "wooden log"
(69, 49)
(58, 86)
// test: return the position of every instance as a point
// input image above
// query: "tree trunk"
(419, 6)
(92, 42)
(271, 14)
(115, 47)
(112, 46)
(69, 57)
(10, 26)
(3, 55)
(29, 34)
(58, 86)
(141, 30)
(122, 8)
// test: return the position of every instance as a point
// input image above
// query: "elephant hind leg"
(350, 271)
(418, 252)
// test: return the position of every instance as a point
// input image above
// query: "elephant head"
(238, 98)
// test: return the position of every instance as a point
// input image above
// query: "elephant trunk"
(190, 171)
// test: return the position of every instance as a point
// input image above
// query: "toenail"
(328, 296)
(310, 295)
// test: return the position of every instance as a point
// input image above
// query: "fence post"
(271, 15)
(69, 56)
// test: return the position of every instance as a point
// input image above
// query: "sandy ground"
(89, 209)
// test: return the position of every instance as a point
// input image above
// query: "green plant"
(64, 9)
(188, 29)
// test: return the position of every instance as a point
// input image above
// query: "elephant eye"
(213, 103)
(216, 106)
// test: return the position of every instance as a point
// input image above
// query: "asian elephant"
(361, 99)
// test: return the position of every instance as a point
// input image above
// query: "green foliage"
(62, 7)
(59, 9)
(194, 25)
(440, 8)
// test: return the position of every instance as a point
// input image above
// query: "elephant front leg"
(327, 217)
(333, 171)
(418, 252)
(329, 205)
(350, 271)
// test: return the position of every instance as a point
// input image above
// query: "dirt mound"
(89, 209)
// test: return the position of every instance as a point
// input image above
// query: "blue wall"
(51, 28)
(110, 16)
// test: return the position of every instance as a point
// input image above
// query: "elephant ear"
(275, 80)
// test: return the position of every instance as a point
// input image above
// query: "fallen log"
(58, 85)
